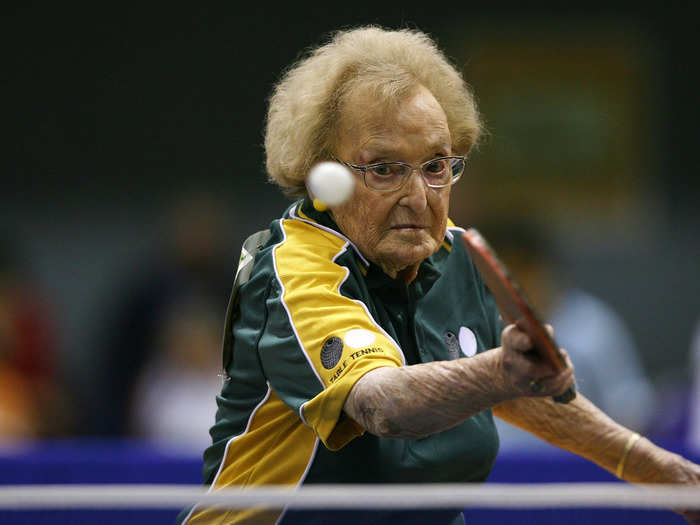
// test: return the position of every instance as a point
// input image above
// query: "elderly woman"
(361, 344)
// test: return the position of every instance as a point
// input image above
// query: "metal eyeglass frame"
(363, 170)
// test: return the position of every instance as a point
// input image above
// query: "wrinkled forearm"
(419, 400)
(577, 426)
(580, 427)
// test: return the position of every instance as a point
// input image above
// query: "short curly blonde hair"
(304, 108)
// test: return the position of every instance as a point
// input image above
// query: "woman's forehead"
(418, 121)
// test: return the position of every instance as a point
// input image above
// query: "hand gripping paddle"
(514, 305)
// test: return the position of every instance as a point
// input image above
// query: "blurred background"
(134, 168)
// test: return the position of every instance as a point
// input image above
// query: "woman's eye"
(383, 170)
(436, 166)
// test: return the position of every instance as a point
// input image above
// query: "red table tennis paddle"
(514, 304)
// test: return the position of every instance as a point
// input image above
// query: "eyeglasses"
(390, 176)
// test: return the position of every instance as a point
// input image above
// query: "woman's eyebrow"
(375, 151)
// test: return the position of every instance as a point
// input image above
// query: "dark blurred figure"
(609, 369)
(159, 318)
(30, 388)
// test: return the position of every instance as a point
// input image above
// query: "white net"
(413, 496)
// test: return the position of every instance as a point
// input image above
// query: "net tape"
(409, 496)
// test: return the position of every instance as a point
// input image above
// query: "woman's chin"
(405, 256)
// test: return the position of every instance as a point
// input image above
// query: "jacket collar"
(428, 272)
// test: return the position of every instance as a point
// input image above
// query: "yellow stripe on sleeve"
(340, 338)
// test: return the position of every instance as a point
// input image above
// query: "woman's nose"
(414, 191)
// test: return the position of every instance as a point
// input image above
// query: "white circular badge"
(467, 341)
(359, 338)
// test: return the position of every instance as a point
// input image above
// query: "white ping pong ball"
(331, 183)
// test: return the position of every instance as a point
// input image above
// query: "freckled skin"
(398, 229)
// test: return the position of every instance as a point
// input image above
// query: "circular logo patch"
(331, 352)
(467, 341)
(359, 338)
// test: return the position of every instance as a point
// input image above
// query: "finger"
(548, 387)
(543, 369)
(543, 382)
(563, 382)
(515, 339)
(550, 329)
(565, 355)
(558, 384)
